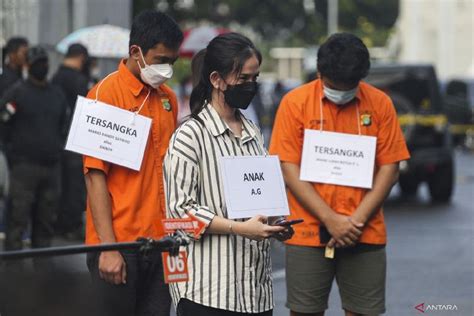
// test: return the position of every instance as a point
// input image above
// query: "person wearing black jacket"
(15, 59)
(33, 114)
(71, 79)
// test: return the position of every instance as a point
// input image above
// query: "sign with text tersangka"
(108, 133)
(337, 158)
(253, 185)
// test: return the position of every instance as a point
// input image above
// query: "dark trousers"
(190, 308)
(73, 201)
(144, 293)
(34, 196)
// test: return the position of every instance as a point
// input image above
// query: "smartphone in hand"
(286, 223)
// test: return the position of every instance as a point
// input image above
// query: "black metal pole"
(169, 243)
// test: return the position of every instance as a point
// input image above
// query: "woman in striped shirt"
(229, 266)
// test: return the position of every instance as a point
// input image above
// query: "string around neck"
(321, 116)
(100, 84)
(135, 113)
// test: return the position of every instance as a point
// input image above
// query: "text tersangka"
(111, 125)
(339, 151)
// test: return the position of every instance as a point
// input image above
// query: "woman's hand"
(256, 228)
(285, 235)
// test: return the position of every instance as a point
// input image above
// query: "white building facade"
(440, 32)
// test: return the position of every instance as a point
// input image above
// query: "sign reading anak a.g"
(337, 158)
(108, 133)
(253, 185)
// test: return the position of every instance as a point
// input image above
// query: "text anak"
(254, 176)
(339, 151)
(111, 125)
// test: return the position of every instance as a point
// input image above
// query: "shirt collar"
(248, 131)
(213, 122)
(135, 85)
(217, 126)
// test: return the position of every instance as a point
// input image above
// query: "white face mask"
(155, 75)
(338, 96)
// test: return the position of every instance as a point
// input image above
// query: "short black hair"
(152, 27)
(14, 44)
(343, 58)
(77, 49)
(35, 54)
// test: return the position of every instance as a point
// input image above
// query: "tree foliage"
(288, 22)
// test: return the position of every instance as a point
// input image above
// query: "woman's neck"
(225, 112)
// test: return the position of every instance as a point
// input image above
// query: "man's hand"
(112, 267)
(345, 231)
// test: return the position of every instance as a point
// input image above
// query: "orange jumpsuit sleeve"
(391, 146)
(288, 131)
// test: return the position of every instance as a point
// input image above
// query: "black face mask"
(39, 70)
(239, 96)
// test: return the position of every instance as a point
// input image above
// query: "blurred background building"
(438, 32)
(429, 31)
(46, 22)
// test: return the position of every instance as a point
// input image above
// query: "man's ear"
(134, 52)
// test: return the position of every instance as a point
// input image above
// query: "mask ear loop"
(143, 58)
(135, 113)
(358, 118)
(321, 117)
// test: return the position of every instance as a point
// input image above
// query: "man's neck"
(38, 83)
(14, 67)
(133, 68)
(72, 63)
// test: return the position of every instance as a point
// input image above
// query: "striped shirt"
(225, 271)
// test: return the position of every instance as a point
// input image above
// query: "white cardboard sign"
(253, 185)
(108, 133)
(337, 158)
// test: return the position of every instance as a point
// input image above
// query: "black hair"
(14, 44)
(343, 58)
(225, 54)
(35, 54)
(151, 27)
(76, 50)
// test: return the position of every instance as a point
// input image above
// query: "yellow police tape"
(425, 120)
(461, 128)
(438, 120)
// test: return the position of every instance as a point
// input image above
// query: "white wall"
(438, 32)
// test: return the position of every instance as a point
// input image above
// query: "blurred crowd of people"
(54, 204)
(41, 184)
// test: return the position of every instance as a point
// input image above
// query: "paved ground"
(430, 252)
(430, 260)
